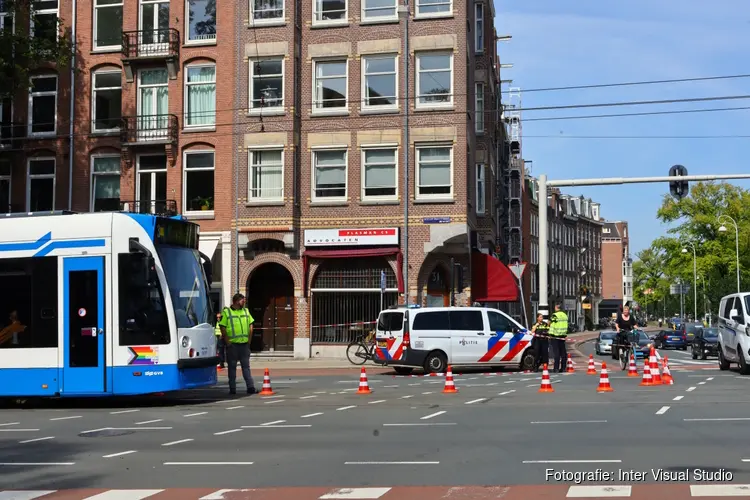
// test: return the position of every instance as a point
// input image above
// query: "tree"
(22, 52)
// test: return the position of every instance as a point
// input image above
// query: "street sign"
(382, 281)
(677, 289)
(518, 269)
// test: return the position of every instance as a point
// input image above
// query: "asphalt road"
(317, 432)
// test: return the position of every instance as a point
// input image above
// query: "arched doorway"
(438, 288)
(270, 299)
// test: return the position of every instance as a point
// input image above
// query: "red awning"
(491, 280)
(347, 253)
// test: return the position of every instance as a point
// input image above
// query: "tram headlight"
(185, 342)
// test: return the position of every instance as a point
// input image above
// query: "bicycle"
(361, 350)
(629, 351)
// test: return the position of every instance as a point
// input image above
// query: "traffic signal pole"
(543, 223)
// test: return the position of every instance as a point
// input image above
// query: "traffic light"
(678, 189)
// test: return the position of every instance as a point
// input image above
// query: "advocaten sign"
(351, 237)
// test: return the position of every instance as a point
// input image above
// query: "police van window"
(499, 323)
(467, 320)
(431, 320)
(728, 308)
(747, 304)
(738, 306)
(391, 322)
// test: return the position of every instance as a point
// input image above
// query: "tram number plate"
(382, 343)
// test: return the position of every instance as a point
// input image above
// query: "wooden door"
(284, 331)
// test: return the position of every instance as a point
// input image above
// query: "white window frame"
(419, 13)
(186, 99)
(3, 16)
(420, 105)
(93, 98)
(481, 199)
(8, 178)
(319, 22)
(265, 22)
(441, 196)
(273, 110)
(185, 154)
(365, 106)
(479, 108)
(202, 41)
(95, 24)
(479, 28)
(375, 19)
(55, 11)
(151, 172)
(42, 94)
(329, 199)
(256, 199)
(93, 175)
(373, 147)
(30, 177)
(329, 111)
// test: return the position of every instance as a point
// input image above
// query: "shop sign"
(351, 237)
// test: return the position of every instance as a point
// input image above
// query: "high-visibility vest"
(217, 330)
(237, 324)
(559, 326)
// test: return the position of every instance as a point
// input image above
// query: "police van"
(734, 331)
(435, 337)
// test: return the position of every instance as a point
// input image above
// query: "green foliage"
(21, 53)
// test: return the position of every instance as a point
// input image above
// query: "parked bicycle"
(361, 350)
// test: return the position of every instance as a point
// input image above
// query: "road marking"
(36, 439)
(701, 383)
(65, 418)
(122, 411)
(274, 401)
(407, 397)
(598, 491)
(511, 381)
(280, 426)
(432, 415)
(391, 463)
(710, 378)
(274, 397)
(677, 398)
(475, 401)
(662, 410)
(309, 397)
(19, 430)
(356, 493)
(506, 392)
(572, 461)
(321, 392)
(235, 407)
(274, 422)
(172, 443)
(719, 490)
(113, 455)
(195, 414)
(312, 415)
(35, 464)
(346, 408)
(490, 384)
(24, 495)
(428, 392)
(390, 386)
(208, 463)
(9, 423)
(715, 419)
(533, 385)
(125, 495)
(376, 402)
(690, 389)
(413, 385)
(572, 422)
(149, 421)
(230, 431)
(418, 424)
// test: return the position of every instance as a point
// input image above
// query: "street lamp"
(695, 280)
(723, 229)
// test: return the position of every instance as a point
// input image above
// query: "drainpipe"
(72, 103)
(403, 11)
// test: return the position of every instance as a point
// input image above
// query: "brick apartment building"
(153, 93)
(320, 159)
(617, 268)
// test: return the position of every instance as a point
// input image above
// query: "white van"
(734, 331)
(434, 337)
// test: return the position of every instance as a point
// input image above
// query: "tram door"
(85, 361)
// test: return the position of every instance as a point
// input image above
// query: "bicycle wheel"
(357, 353)
(624, 357)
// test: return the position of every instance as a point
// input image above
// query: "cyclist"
(624, 325)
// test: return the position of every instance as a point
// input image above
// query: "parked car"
(603, 344)
(670, 338)
(705, 343)
(734, 331)
(690, 330)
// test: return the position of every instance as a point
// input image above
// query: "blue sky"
(579, 42)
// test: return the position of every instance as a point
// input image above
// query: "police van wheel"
(528, 361)
(723, 363)
(436, 362)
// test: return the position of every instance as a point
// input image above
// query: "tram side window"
(143, 315)
(28, 303)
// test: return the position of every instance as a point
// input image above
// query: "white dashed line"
(149, 421)
(319, 392)
(309, 415)
(407, 397)
(390, 386)
(510, 381)
(490, 384)
(274, 401)
(428, 392)
(65, 418)
(533, 385)
(690, 389)
(413, 385)
(662, 410)
(195, 414)
(9, 423)
(274, 422)
(710, 378)
(475, 401)
(36, 439)
(506, 392)
(376, 402)
(309, 397)
(677, 398)
(226, 432)
(432, 415)
(346, 407)
(113, 455)
(122, 411)
(235, 407)
(273, 397)
(172, 443)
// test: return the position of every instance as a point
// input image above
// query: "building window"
(330, 85)
(106, 108)
(266, 175)
(198, 181)
(107, 24)
(479, 28)
(44, 23)
(43, 105)
(267, 10)
(434, 171)
(480, 189)
(105, 183)
(380, 87)
(434, 80)
(201, 20)
(479, 108)
(329, 175)
(329, 11)
(7, 21)
(40, 185)
(200, 91)
(379, 173)
(153, 104)
(5, 185)
(267, 84)
(434, 7)
(379, 10)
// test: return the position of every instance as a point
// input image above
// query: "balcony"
(150, 46)
(11, 135)
(167, 208)
(149, 130)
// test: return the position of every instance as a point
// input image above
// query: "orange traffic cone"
(667, 377)
(571, 366)
(592, 366)
(364, 387)
(450, 387)
(646, 380)
(604, 381)
(546, 384)
(266, 390)
(632, 370)
(654, 365)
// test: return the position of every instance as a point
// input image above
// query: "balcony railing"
(166, 208)
(151, 44)
(149, 129)
(10, 134)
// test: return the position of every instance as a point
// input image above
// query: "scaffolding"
(515, 178)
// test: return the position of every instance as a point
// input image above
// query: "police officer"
(558, 331)
(541, 341)
(220, 345)
(237, 329)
